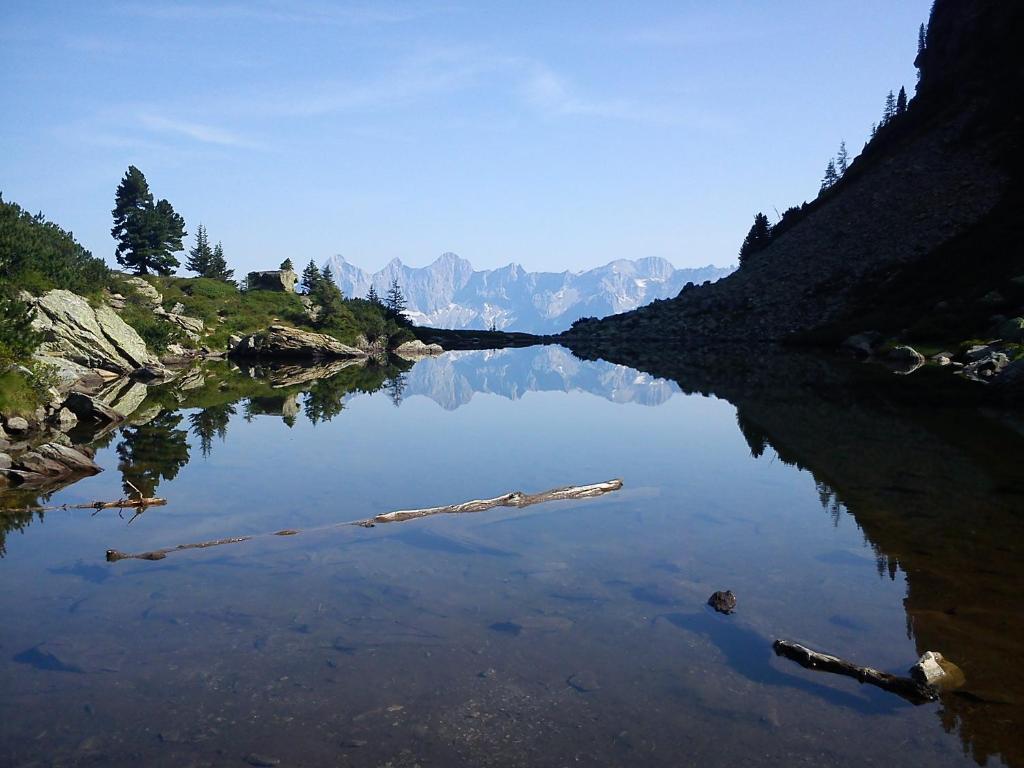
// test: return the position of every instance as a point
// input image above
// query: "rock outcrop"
(417, 350)
(94, 338)
(283, 280)
(281, 341)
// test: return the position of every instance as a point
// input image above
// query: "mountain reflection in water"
(936, 490)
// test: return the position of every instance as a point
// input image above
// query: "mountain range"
(451, 294)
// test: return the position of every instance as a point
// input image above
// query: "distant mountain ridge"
(449, 293)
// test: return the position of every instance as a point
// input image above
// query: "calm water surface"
(561, 634)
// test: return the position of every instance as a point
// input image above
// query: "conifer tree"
(394, 302)
(328, 296)
(890, 108)
(218, 267)
(901, 101)
(921, 40)
(286, 264)
(372, 297)
(831, 177)
(199, 257)
(842, 158)
(148, 235)
(758, 237)
(310, 277)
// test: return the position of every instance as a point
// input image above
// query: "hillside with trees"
(917, 238)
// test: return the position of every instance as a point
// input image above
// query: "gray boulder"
(272, 280)
(89, 409)
(416, 350)
(985, 367)
(16, 425)
(285, 342)
(74, 331)
(65, 420)
(149, 294)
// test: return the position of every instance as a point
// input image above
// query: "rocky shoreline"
(98, 371)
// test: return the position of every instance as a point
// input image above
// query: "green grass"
(19, 394)
(226, 311)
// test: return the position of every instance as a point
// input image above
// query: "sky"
(554, 135)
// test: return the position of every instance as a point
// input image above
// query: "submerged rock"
(723, 602)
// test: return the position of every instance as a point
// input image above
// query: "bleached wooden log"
(514, 499)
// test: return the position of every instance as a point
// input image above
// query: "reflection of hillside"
(938, 491)
(452, 379)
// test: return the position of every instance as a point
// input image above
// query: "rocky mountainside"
(920, 239)
(450, 294)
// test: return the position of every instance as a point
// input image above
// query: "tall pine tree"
(842, 158)
(831, 177)
(147, 235)
(310, 277)
(218, 267)
(394, 302)
(901, 101)
(199, 258)
(372, 297)
(890, 108)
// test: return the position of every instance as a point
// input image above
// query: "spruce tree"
(199, 258)
(901, 101)
(372, 297)
(394, 302)
(890, 108)
(831, 177)
(310, 277)
(842, 159)
(921, 40)
(758, 237)
(286, 264)
(218, 268)
(328, 296)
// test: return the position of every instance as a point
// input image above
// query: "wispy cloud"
(277, 12)
(206, 134)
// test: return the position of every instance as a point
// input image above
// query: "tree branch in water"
(516, 499)
(907, 687)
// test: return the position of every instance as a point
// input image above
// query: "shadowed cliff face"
(937, 489)
(938, 187)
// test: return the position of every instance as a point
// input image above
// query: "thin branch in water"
(516, 499)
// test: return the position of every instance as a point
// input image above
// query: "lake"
(846, 508)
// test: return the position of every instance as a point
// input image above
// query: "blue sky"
(556, 135)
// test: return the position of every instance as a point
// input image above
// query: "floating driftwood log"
(907, 687)
(140, 502)
(516, 499)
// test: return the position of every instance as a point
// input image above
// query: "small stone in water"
(584, 682)
(723, 602)
(261, 761)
